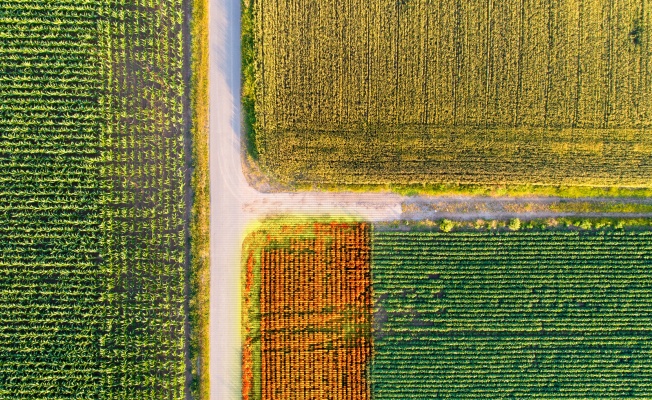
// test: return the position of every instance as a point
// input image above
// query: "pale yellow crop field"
(473, 92)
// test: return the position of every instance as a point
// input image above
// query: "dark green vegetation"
(512, 314)
(51, 285)
(384, 92)
(93, 193)
(553, 314)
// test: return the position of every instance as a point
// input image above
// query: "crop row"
(143, 202)
(475, 92)
(92, 172)
(477, 63)
(307, 312)
(50, 287)
(512, 314)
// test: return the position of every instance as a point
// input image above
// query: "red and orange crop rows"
(315, 313)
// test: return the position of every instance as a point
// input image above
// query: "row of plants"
(425, 97)
(51, 288)
(306, 311)
(144, 210)
(94, 164)
(511, 314)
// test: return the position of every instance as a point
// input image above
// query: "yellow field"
(482, 92)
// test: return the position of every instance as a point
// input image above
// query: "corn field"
(92, 193)
(481, 92)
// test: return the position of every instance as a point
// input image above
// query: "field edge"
(502, 225)
(199, 224)
(248, 95)
(250, 307)
(444, 189)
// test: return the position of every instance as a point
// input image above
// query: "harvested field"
(307, 312)
(544, 92)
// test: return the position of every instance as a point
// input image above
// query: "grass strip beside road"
(199, 225)
(248, 50)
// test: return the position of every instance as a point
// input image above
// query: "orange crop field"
(307, 312)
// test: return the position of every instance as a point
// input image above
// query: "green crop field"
(93, 199)
(526, 314)
(544, 92)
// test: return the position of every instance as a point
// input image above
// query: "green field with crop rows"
(93, 229)
(51, 288)
(526, 314)
(545, 92)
